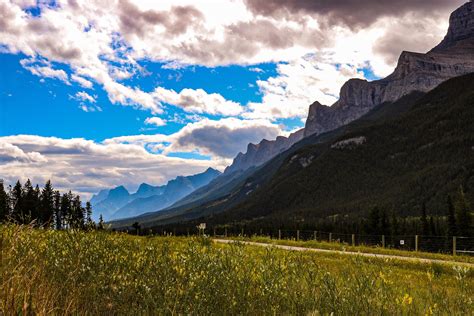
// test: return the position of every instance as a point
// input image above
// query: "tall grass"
(49, 272)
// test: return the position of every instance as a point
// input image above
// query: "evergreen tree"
(136, 226)
(451, 229)
(101, 225)
(384, 223)
(65, 210)
(16, 197)
(46, 213)
(463, 215)
(29, 203)
(58, 217)
(77, 213)
(4, 205)
(433, 231)
(395, 225)
(425, 227)
(374, 221)
(89, 222)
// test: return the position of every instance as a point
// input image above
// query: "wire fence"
(436, 244)
(441, 244)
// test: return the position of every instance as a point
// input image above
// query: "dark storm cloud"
(176, 21)
(353, 13)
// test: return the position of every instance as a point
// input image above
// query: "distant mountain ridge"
(260, 153)
(118, 202)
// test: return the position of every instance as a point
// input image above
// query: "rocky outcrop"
(453, 57)
(262, 152)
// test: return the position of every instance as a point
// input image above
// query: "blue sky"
(95, 95)
(51, 110)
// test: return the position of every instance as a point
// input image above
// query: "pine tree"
(58, 217)
(29, 203)
(395, 225)
(65, 210)
(89, 222)
(101, 225)
(4, 205)
(17, 200)
(433, 231)
(384, 223)
(136, 226)
(424, 221)
(463, 215)
(77, 213)
(451, 231)
(374, 221)
(46, 212)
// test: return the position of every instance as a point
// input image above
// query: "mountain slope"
(224, 195)
(398, 164)
(260, 153)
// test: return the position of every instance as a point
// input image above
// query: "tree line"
(457, 220)
(45, 207)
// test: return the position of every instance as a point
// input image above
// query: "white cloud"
(105, 41)
(44, 69)
(12, 154)
(220, 139)
(224, 138)
(82, 81)
(198, 101)
(84, 96)
(298, 84)
(86, 166)
(155, 121)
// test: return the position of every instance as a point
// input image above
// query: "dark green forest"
(44, 207)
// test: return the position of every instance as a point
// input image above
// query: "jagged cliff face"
(257, 155)
(453, 57)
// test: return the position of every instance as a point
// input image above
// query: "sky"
(100, 93)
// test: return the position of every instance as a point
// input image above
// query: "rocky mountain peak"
(258, 154)
(453, 57)
(119, 191)
(461, 28)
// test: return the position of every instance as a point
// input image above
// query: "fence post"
(297, 235)
(353, 240)
(383, 241)
(214, 231)
(454, 245)
(330, 237)
(225, 232)
(279, 234)
(416, 242)
(242, 234)
(315, 235)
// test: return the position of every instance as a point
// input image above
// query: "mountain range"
(118, 203)
(395, 141)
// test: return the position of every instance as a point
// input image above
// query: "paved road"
(352, 253)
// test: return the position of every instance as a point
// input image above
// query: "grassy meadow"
(338, 246)
(50, 272)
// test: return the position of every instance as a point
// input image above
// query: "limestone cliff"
(453, 57)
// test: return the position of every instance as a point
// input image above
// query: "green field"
(50, 272)
(360, 248)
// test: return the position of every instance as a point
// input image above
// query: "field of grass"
(363, 249)
(50, 272)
